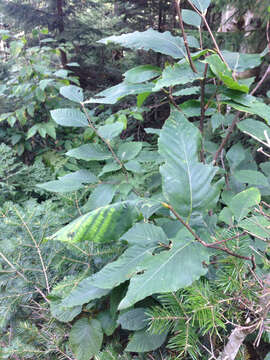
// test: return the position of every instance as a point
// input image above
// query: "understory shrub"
(173, 240)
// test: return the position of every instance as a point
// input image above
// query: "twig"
(268, 68)
(202, 118)
(179, 13)
(106, 142)
(211, 34)
(261, 81)
(77, 204)
(260, 150)
(224, 141)
(172, 101)
(202, 99)
(214, 245)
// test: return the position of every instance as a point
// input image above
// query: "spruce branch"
(37, 249)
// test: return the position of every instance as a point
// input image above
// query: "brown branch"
(202, 99)
(179, 14)
(211, 34)
(202, 118)
(224, 141)
(268, 68)
(209, 245)
(106, 142)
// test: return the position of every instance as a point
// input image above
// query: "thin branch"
(172, 101)
(224, 141)
(107, 143)
(202, 118)
(268, 68)
(202, 99)
(261, 81)
(209, 245)
(210, 33)
(179, 13)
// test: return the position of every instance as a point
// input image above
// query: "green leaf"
(156, 273)
(63, 313)
(217, 120)
(178, 74)
(110, 131)
(129, 150)
(192, 108)
(154, 40)
(251, 177)
(134, 166)
(201, 5)
(105, 224)
(257, 108)
(63, 74)
(188, 91)
(83, 293)
(142, 73)
(50, 129)
(16, 48)
(70, 182)
(2, 89)
(226, 216)
(73, 93)
(40, 94)
(5, 116)
(85, 338)
(257, 226)
(224, 74)
(146, 233)
(123, 268)
(186, 181)
(115, 93)
(90, 152)
(32, 131)
(143, 341)
(110, 167)
(134, 319)
(101, 196)
(69, 117)
(11, 120)
(141, 98)
(108, 324)
(44, 83)
(42, 130)
(60, 186)
(254, 128)
(236, 155)
(265, 166)
(242, 203)
(191, 18)
(240, 62)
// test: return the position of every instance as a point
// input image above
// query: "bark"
(239, 334)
